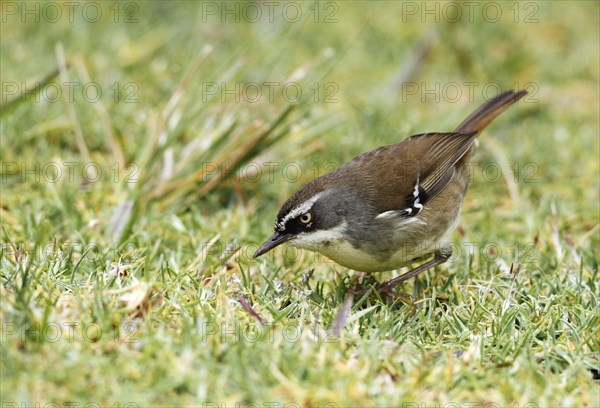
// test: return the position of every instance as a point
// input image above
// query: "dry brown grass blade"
(230, 158)
(341, 316)
(187, 182)
(181, 187)
(231, 162)
(250, 310)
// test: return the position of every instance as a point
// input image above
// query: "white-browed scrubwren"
(365, 214)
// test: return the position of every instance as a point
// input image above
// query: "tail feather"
(487, 112)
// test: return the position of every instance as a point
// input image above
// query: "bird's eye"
(305, 218)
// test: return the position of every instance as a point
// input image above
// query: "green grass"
(130, 289)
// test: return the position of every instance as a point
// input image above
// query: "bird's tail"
(487, 112)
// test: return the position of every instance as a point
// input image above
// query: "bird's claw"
(383, 290)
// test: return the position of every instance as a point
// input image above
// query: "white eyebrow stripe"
(301, 209)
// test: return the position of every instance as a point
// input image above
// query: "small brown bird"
(392, 206)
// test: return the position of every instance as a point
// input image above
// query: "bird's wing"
(438, 163)
(425, 164)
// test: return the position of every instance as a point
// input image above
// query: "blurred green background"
(162, 137)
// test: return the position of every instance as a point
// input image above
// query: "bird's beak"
(276, 239)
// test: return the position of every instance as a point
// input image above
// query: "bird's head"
(309, 219)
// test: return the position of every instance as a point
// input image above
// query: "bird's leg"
(440, 257)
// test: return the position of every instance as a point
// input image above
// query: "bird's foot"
(384, 291)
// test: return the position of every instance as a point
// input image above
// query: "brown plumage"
(390, 206)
